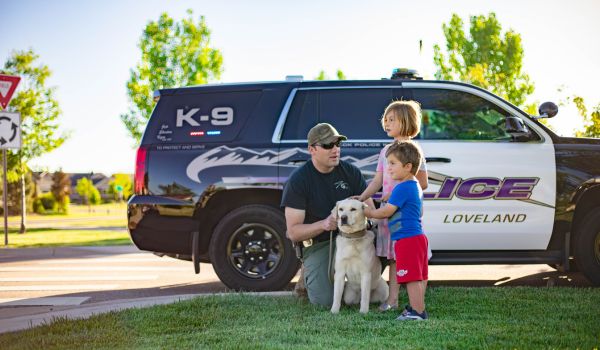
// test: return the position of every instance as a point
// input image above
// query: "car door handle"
(437, 160)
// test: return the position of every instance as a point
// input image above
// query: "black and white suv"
(503, 188)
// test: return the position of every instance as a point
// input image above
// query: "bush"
(95, 197)
(38, 207)
(63, 206)
(45, 203)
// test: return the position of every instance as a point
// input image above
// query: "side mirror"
(547, 110)
(517, 128)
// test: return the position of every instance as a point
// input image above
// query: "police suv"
(502, 187)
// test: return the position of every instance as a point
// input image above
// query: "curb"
(30, 321)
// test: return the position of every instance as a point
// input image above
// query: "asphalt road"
(37, 280)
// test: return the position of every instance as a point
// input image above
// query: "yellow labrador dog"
(357, 269)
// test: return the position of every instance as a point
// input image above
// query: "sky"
(90, 47)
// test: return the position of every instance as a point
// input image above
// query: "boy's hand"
(356, 197)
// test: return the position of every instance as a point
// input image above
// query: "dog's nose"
(344, 219)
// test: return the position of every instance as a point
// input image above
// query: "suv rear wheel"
(249, 249)
(587, 246)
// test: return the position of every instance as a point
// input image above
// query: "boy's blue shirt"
(406, 221)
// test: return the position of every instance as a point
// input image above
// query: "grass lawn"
(49, 237)
(97, 225)
(460, 318)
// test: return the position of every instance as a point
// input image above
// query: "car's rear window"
(200, 117)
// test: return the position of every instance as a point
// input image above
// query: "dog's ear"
(364, 205)
(334, 211)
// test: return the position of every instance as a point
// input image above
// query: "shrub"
(95, 197)
(45, 203)
(63, 206)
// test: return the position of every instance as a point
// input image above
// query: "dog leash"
(330, 258)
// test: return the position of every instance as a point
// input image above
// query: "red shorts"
(411, 259)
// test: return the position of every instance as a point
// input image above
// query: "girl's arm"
(383, 212)
(422, 177)
(373, 187)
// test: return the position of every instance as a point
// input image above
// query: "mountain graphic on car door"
(264, 168)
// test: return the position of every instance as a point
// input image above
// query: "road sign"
(10, 130)
(8, 85)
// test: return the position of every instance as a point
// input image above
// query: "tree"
(173, 54)
(339, 74)
(485, 58)
(14, 195)
(122, 181)
(39, 114)
(591, 121)
(61, 189)
(88, 192)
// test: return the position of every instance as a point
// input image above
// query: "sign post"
(119, 189)
(10, 134)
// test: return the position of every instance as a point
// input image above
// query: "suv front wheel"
(249, 250)
(587, 246)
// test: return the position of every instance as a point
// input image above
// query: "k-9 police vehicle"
(503, 188)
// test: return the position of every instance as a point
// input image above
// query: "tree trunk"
(23, 205)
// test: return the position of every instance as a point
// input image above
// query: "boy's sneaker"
(410, 314)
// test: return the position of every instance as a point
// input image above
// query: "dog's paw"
(335, 310)
(364, 310)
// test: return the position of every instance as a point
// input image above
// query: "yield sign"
(8, 85)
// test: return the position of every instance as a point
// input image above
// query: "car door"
(487, 191)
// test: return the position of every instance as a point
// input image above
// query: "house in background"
(99, 180)
(43, 183)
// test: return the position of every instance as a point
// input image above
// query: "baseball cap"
(324, 133)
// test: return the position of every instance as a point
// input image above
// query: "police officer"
(309, 197)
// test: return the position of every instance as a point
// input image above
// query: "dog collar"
(353, 235)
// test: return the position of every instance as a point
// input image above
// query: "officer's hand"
(329, 223)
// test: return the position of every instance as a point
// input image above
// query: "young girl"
(402, 121)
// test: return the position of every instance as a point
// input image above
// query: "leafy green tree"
(323, 76)
(39, 116)
(38, 108)
(88, 192)
(173, 54)
(122, 181)
(61, 189)
(14, 196)
(485, 57)
(591, 121)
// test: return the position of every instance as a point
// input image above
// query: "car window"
(457, 115)
(303, 115)
(355, 113)
(200, 117)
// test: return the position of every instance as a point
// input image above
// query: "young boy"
(404, 209)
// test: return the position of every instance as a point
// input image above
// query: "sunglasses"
(329, 145)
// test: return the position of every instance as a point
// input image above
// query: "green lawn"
(460, 318)
(104, 224)
(49, 237)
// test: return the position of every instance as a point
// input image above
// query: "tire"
(249, 250)
(587, 246)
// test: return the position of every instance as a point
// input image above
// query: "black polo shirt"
(316, 193)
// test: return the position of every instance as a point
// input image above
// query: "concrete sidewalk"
(84, 311)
